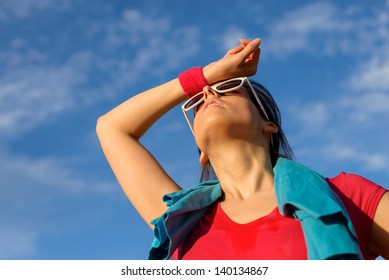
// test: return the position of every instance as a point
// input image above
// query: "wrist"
(211, 74)
(192, 81)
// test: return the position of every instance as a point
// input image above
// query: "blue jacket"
(301, 193)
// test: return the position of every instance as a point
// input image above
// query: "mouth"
(212, 103)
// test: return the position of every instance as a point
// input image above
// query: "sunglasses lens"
(194, 102)
(228, 85)
(190, 103)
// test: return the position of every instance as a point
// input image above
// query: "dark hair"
(279, 146)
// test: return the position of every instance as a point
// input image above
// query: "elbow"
(107, 126)
(101, 125)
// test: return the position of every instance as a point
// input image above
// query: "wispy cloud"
(377, 162)
(24, 8)
(35, 196)
(152, 45)
(41, 85)
(349, 128)
(32, 90)
(367, 106)
(17, 242)
(134, 28)
(373, 74)
(293, 32)
(44, 78)
(229, 38)
(314, 116)
(37, 86)
(342, 125)
(51, 173)
(322, 28)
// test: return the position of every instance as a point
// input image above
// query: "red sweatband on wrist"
(192, 81)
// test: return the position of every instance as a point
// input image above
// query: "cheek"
(249, 114)
(195, 122)
(198, 133)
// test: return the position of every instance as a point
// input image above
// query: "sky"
(64, 63)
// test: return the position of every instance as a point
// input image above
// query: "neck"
(243, 169)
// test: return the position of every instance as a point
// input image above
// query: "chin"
(218, 132)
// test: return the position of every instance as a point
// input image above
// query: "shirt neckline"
(234, 225)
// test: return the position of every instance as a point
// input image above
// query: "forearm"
(136, 115)
(140, 175)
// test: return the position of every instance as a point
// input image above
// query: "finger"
(235, 50)
(250, 48)
(254, 57)
(244, 41)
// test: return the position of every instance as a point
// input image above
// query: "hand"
(240, 61)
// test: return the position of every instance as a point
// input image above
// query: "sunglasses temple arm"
(259, 101)
(189, 123)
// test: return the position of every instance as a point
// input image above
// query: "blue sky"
(65, 63)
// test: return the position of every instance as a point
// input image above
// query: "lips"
(211, 103)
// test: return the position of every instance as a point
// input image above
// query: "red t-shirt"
(274, 236)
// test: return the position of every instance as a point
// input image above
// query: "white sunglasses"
(220, 88)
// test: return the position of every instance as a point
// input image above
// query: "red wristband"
(192, 81)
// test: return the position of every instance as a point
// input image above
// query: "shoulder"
(357, 189)
(200, 194)
(361, 198)
(346, 179)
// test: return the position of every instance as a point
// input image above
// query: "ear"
(270, 128)
(203, 158)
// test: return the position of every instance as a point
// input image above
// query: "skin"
(229, 133)
(379, 235)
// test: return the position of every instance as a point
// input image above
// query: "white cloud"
(49, 172)
(349, 125)
(154, 58)
(370, 79)
(230, 37)
(152, 45)
(24, 8)
(36, 87)
(292, 32)
(313, 17)
(139, 25)
(33, 90)
(17, 242)
(322, 28)
(313, 117)
(366, 106)
(369, 161)
(346, 128)
(349, 129)
(373, 74)
(134, 28)
(45, 196)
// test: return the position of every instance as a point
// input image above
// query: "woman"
(241, 137)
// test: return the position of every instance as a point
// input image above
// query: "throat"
(251, 209)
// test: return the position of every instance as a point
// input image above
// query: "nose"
(208, 91)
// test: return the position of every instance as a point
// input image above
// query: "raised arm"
(141, 177)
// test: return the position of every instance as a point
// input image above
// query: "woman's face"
(231, 116)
